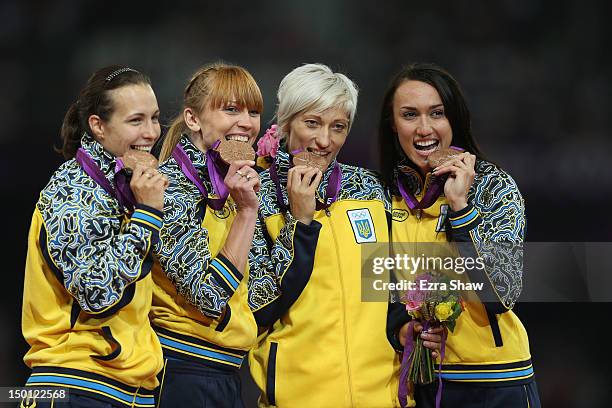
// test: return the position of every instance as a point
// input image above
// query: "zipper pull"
(327, 212)
(418, 213)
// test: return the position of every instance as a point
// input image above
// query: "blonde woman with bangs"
(200, 310)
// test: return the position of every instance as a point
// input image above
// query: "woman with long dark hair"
(477, 207)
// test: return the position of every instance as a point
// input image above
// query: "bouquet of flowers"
(430, 302)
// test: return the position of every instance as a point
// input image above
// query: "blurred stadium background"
(537, 76)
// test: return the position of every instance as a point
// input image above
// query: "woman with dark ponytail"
(87, 289)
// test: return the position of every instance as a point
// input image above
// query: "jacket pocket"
(271, 374)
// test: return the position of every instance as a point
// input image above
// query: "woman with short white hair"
(323, 346)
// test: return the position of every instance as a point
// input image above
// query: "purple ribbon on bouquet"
(407, 358)
(216, 171)
(122, 191)
(442, 348)
(331, 191)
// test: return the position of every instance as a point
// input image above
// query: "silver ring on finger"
(241, 174)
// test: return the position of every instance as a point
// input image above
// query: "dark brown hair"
(455, 109)
(94, 99)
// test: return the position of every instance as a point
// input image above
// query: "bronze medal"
(306, 158)
(442, 156)
(133, 157)
(232, 150)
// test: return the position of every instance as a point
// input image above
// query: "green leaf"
(456, 312)
(450, 324)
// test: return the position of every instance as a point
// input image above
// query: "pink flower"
(413, 305)
(416, 295)
(269, 142)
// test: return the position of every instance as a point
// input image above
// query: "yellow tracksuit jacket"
(200, 304)
(87, 289)
(323, 346)
(489, 345)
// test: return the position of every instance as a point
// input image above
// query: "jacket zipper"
(419, 213)
(346, 348)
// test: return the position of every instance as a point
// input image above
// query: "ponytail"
(95, 99)
(173, 136)
(71, 132)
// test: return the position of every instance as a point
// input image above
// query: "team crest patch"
(399, 215)
(362, 224)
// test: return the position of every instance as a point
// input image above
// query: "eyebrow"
(431, 107)
(141, 113)
(314, 115)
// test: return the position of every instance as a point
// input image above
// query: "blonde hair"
(314, 87)
(213, 85)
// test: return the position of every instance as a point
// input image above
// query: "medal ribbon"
(331, 191)
(434, 190)
(122, 191)
(214, 173)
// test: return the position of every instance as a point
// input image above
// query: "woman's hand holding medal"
(241, 180)
(243, 184)
(459, 166)
(302, 182)
(147, 184)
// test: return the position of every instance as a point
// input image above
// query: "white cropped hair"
(314, 87)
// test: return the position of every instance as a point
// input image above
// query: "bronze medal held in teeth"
(133, 157)
(306, 158)
(442, 156)
(232, 150)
